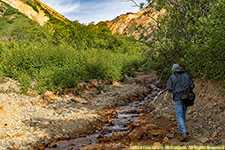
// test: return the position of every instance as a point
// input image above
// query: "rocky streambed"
(120, 122)
(153, 125)
(29, 122)
(108, 116)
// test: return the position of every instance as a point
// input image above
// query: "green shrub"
(59, 55)
(55, 67)
(190, 33)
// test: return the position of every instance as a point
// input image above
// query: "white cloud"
(86, 11)
(63, 6)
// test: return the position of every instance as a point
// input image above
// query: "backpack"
(188, 96)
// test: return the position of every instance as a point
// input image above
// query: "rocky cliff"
(135, 23)
(35, 10)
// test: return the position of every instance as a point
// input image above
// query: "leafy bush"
(45, 60)
(56, 67)
(190, 33)
(59, 55)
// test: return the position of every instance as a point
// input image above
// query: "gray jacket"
(174, 86)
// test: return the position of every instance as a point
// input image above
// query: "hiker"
(178, 81)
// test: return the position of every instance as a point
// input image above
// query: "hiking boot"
(183, 137)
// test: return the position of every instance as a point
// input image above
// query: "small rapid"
(120, 124)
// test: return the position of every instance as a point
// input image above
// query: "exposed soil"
(48, 120)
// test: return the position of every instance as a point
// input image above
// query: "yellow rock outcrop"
(39, 16)
(127, 24)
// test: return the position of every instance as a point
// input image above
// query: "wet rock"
(137, 124)
(116, 135)
(107, 138)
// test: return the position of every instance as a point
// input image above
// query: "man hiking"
(176, 84)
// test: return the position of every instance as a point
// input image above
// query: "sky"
(86, 11)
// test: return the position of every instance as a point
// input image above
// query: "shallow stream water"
(120, 124)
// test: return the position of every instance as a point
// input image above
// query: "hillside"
(135, 23)
(61, 53)
(35, 10)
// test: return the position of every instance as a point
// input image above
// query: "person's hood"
(176, 68)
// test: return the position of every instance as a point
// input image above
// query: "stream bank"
(155, 125)
(42, 121)
(121, 122)
(50, 117)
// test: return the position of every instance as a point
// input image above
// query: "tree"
(191, 33)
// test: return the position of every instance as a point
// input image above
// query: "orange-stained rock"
(165, 140)
(156, 132)
(213, 136)
(138, 133)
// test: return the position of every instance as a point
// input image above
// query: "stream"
(124, 117)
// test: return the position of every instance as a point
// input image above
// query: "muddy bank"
(46, 118)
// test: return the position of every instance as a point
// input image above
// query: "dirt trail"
(42, 121)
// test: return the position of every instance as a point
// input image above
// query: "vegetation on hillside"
(190, 33)
(59, 55)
